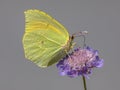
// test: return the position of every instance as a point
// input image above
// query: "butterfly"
(45, 40)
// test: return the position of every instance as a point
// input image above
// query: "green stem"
(84, 82)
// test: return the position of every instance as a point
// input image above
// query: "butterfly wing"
(44, 38)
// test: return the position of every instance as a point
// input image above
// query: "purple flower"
(79, 62)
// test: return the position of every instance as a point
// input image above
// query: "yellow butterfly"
(45, 41)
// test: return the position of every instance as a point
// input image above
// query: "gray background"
(100, 17)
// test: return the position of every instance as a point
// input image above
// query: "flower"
(79, 62)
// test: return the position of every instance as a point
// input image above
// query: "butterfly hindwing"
(40, 49)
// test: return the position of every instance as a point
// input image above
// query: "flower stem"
(84, 82)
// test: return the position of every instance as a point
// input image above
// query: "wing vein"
(51, 40)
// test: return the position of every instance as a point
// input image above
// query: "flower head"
(79, 62)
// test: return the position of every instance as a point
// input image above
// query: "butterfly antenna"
(79, 34)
